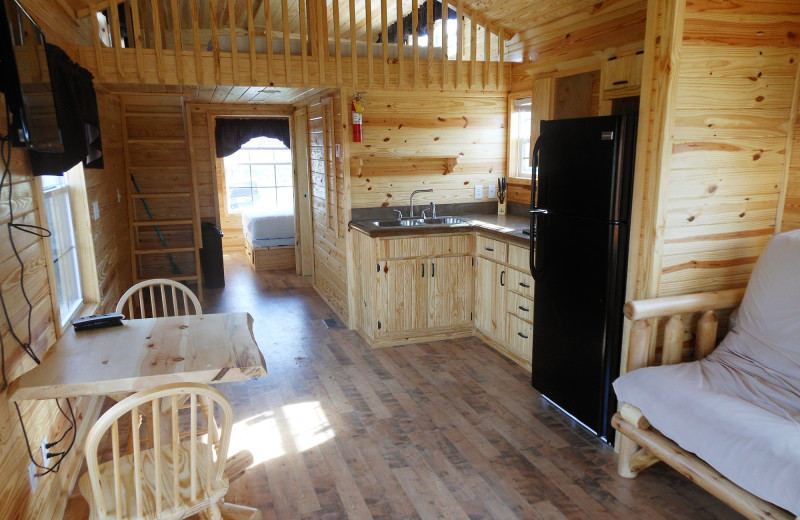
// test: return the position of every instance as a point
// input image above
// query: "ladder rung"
(160, 195)
(165, 250)
(145, 223)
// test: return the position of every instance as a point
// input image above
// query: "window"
(520, 136)
(259, 174)
(65, 212)
(62, 242)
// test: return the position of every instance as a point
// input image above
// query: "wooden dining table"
(145, 353)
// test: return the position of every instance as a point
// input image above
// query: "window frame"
(517, 145)
(227, 172)
(84, 246)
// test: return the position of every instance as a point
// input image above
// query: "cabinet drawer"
(520, 306)
(491, 249)
(520, 337)
(519, 257)
(401, 247)
(441, 245)
(521, 283)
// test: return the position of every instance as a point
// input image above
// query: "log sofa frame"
(641, 445)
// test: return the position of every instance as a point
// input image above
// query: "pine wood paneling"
(791, 208)
(330, 213)
(733, 101)
(470, 127)
(41, 418)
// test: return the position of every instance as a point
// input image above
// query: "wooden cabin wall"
(106, 186)
(722, 90)
(330, 207)
(402, 125)
(41, 418)
(791, 207)
(209, 184)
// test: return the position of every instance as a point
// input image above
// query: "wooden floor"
(446, 429)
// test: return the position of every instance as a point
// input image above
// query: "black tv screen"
(25, 81)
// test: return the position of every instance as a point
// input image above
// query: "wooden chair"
(150, 299)
(171, 480)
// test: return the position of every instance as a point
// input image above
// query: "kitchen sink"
(444, 220)
(408, 222)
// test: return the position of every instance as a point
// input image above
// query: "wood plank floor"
(446, 429)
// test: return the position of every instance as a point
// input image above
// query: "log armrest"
(641, 312)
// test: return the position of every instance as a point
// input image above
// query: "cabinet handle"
(433, 269)
(423, 270)
(502, 283)
(524, 309)
(489, 248)
(620, 82)
(525, 285)
(521, 335)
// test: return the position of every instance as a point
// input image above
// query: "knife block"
(501, 207)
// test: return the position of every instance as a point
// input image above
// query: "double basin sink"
(409, 222)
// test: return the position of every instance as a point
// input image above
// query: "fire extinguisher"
(358, 117)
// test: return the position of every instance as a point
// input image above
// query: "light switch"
(96, 210)
(478, 191)
(492, 191)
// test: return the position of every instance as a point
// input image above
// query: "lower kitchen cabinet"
(418, 288)
(504, 298)
(490, 296)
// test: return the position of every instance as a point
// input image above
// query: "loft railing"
(363, 43)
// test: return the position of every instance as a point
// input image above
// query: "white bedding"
(269, 227)
(739, 409)
(243, 45)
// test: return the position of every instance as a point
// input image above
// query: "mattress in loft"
(264, 227)
(243, 45)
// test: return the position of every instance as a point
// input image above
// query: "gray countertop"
(507, 227)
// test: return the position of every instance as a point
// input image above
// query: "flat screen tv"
(25, 81)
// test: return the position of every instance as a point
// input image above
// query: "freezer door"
(578, 166)
(569, 327)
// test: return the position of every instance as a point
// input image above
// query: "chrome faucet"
(411, 201)
(399, 214)
(432, 209)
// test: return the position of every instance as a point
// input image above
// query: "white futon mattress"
(739, 409)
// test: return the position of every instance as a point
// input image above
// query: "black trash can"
(211, 257)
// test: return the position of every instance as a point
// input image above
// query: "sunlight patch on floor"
(261, 434)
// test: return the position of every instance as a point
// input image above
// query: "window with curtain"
(259, 175)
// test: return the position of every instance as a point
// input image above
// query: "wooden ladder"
(163, 211)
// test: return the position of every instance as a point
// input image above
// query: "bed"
(243, 45)
(729, 420)
(269, 237)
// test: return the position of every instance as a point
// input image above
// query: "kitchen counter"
(506, 227)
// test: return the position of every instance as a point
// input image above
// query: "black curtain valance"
(78, 120)
(231, 134)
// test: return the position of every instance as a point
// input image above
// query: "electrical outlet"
(33, 480)
(44, 451)
(96, 210)
(492, 191)
(478, 191)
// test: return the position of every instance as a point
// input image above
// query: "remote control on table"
(98, 321)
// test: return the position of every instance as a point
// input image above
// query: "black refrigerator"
(580, 220)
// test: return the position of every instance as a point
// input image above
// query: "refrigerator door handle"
(537, 238)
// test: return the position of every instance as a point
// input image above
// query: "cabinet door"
(402, 296)
(490, 299)
(449, 291)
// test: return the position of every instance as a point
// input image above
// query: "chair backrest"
(156, 483)
(158, 297)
